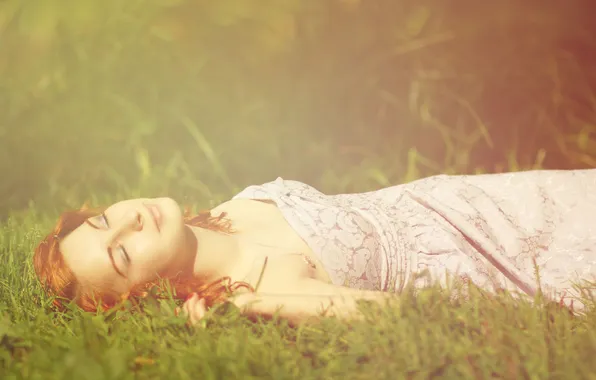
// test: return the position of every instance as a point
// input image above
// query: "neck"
(216, 253)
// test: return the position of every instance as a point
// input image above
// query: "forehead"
(124, 204)
(85, 253)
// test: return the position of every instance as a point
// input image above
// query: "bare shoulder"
(265, 223)
(250, 211)
(240, 206)
(263, 231)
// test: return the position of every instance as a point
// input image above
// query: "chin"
(169, 204)
(170, 210)
(172, 216)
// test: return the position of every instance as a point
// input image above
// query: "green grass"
(227, 95)
(427, 336)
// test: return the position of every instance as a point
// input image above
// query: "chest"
(269, 248)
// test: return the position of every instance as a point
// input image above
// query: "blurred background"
(197, 99)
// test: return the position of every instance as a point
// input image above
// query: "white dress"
(496, 230)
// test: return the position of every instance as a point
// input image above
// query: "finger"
(187, 307)
(188, 311)
(190, 304)
(190, 297)
(193, 309)
(181, 310)
(201, 307)
(198, 310)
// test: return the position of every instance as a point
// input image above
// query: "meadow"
(104, 100)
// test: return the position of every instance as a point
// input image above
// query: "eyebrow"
(109, 249)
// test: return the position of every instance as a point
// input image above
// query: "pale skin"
(147, 239)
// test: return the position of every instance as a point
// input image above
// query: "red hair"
(59, 280)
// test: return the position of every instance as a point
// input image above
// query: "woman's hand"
(194, 308)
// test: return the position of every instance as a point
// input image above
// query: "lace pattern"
(494, 230)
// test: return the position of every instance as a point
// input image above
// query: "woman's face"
(132, 242)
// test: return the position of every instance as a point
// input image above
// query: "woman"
(284, 247)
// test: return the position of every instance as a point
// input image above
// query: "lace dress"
(495, 230)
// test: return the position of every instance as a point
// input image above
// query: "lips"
(155, 214)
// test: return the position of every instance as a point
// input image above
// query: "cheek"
(148, 255)
(152, 254)
(146, 265)
(173, 239)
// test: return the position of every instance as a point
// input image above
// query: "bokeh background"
(197, 99)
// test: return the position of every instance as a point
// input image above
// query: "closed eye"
(104, 219)
(123, 252)
(125, 256)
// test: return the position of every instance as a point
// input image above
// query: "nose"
(130, 222)
(133, 221)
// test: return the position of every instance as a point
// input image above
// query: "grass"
(426, 336)
(217, 105)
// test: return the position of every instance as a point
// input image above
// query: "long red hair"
(59, 280)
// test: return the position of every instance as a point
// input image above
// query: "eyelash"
(122, 249)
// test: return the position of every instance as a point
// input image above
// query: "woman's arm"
(306, 298)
